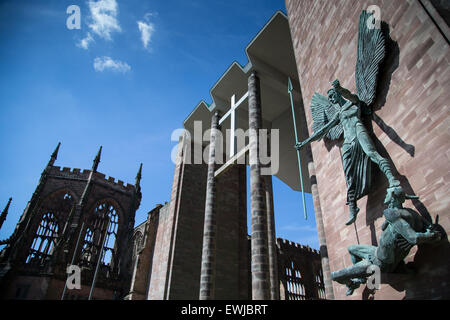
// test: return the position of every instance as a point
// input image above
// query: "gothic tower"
(74, 217)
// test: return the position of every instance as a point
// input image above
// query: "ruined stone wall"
(410, 126)
(299, 271)
(59, 183)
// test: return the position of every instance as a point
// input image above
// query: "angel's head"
(334, 96)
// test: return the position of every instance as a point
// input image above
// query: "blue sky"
(125, 80)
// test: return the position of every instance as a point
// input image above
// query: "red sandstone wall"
(164, 236)
(176, 264)
(415, 87)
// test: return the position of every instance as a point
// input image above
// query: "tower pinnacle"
(97, 160)
(54, 155)
(139, 176)
(4, 213)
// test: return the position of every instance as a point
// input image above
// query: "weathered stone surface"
(177, 257)
(259, 232)
(411, 127)
(72, 196)
(208, 264)
(299, 271)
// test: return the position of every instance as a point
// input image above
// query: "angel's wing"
(371, 52)
(323, 112)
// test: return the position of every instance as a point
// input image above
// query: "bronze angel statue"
(341, 113)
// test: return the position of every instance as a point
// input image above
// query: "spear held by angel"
(341, 112)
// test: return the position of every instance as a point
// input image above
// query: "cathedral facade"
(75, 217)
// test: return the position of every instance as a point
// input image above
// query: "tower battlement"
(69, 172)
(100, 177)
(83, 174)
(287, 244)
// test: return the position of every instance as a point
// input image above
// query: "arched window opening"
(137, 245)
(100, 237)
(44, 241)
(138, 238)
(55, 208)
(111, 234)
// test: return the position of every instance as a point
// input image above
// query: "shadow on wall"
(431, 261)
(390, 64)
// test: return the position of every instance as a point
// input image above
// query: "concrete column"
(207, 274)
(321, 233)
(259, 239)
(317, 208)
(271, 241)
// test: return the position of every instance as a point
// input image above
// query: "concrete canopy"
(271, 55)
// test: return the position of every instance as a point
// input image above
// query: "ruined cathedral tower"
(74, 217)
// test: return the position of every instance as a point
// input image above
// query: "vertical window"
(137, 245)
(320, 285)
(100, 237)
(87, 250)
(109, 211)
(294, 283)
(44, 241)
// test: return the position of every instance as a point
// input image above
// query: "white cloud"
(106, 63)
(147, 29)
(104, 18)
(84, 43)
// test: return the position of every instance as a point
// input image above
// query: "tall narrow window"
(110, 237)
(44, 241)
(100, 237)
(294, 283)
(137, 245)
(320, 284)
(87, 250)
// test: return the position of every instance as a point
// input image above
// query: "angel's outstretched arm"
(345, 92)
(320, 133)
